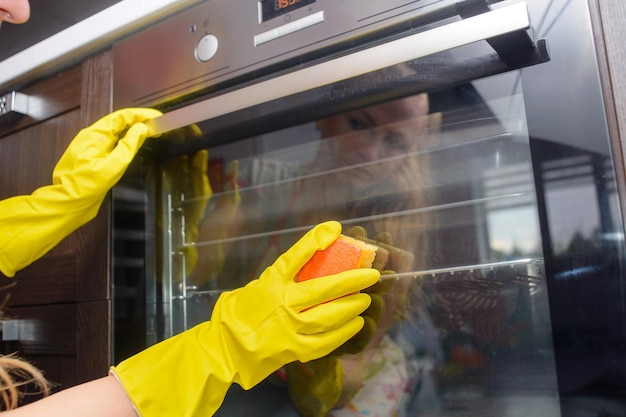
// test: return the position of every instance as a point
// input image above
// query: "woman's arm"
(102, 397)
(254, 330)
(95, 160)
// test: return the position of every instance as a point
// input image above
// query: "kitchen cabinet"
(57, 311)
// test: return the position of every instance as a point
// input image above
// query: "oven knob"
(206, 48)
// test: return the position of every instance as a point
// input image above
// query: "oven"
(467, 138)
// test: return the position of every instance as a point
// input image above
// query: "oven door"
(502, 290)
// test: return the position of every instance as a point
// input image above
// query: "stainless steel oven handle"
(481, 27)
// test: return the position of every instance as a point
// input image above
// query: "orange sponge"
(342, 255)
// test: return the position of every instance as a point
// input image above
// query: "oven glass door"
(438, 160)
(445, 185)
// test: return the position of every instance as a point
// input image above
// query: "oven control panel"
(217, 41)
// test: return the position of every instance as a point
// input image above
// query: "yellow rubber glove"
(94, 161)
(253, 331)
(198, 183)
(315, 387)
(188, 175)
(214, 227)
(319, 386)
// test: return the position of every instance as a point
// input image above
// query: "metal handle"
(13, 104)
(481, 27)
(19, 330)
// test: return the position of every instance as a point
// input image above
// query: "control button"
(206, 48)
(264, 37)
(290, 27)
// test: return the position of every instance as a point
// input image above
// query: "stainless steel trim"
(289, 28)
(13, 103)
(487, 25)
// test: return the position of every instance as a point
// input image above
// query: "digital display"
(273, 8)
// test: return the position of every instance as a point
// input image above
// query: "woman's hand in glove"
(253, 331)
(328, 383)
(93, 163)
(98, 156)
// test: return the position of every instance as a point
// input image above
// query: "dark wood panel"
(95, 238)
(41, 330)
(48, 98)
(96, 99)
(94, 356)
(45, 282)
(66, 341)
(27, 157)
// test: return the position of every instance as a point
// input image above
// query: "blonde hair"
(15, 374)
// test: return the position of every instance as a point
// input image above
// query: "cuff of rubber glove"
(112, 373)
(6, 266)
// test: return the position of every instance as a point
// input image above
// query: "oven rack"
(476, 145)
(521, 271)
(509, 197)
(492, 275)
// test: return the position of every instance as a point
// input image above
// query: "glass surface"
(497, 197)
(444, 185)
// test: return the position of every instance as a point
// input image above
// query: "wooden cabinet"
(58, 311)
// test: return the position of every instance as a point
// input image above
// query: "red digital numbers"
(281, 4)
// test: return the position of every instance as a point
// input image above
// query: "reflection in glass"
(442, 183)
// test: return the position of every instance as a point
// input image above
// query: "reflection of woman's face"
(14, 11)
(375, 139)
